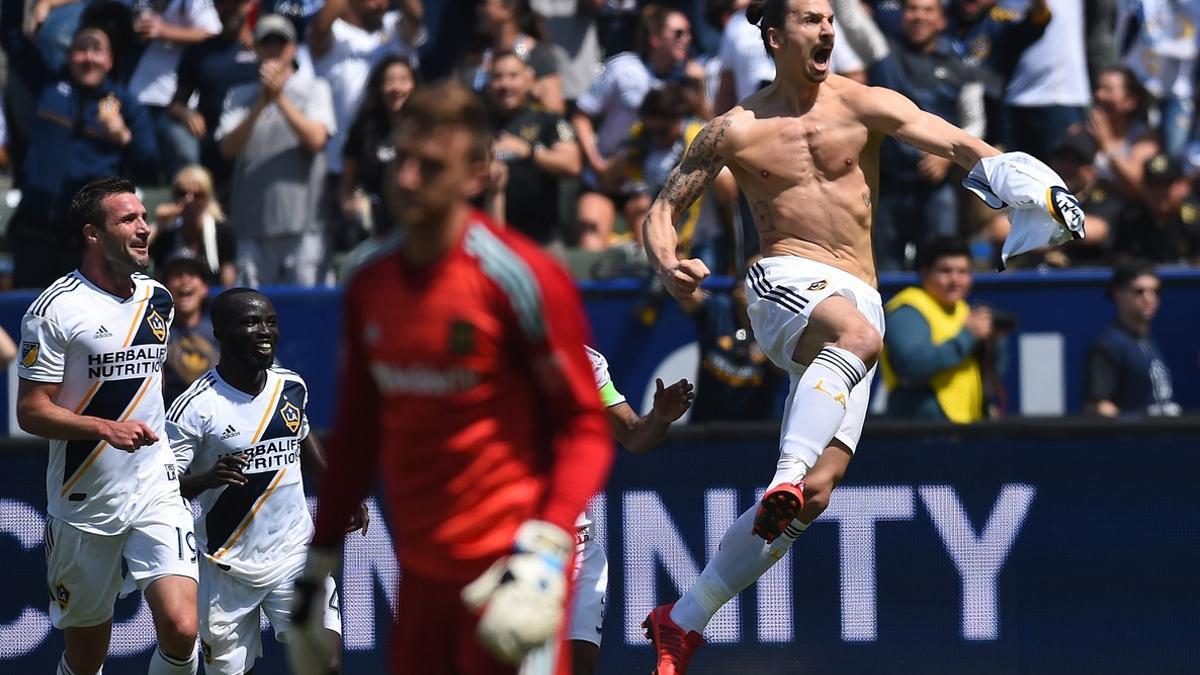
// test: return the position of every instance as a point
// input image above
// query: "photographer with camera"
(939, 351)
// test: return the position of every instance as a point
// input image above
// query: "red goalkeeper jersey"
(466, 386)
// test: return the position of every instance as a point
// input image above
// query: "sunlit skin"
(188, 290)
(1112, 95)
(1137, 303)
(675, 38)
(397, 86)
(89, 59)
(922, 21)
(124, 239)
(509, 85)
(370, 12)
(433, 175)
(948, 279)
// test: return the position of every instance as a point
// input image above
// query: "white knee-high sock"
(815, 409)
(740, 560)
(161, 664)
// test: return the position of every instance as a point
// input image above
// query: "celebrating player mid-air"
(239, 432)
(465, 385)
(92, 349)
(805, 152)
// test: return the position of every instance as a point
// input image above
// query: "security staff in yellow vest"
(935, 341)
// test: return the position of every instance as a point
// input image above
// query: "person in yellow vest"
(937, 346)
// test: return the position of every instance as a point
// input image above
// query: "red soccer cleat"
(779, 507)
(674, 646)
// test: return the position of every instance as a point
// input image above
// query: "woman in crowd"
(194, 220)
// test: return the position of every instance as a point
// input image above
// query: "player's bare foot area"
(779, 507)
(674, 645)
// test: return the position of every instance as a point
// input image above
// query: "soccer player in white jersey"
(639, 434)
(239, 433)
(92, 350)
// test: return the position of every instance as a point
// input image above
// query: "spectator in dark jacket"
(85, 127)
(1126, 374)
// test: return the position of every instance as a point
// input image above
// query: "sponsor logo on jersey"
(291, 416)
(138, 361)
(158, 326)
(62, 596)
(818, 285)
(462, 338)
(422, 380)
(101, 333)
(230, 432)
(29, 354)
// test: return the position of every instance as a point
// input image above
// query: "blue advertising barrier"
(1059, 314)
(1061, 548)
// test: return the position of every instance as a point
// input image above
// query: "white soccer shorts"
(590, 581)
(230, 622)
(83, 569)
(782, 292)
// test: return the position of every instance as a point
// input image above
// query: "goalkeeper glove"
(521, 596)
(311, 647)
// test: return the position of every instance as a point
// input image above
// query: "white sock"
(161, 664)
(740, 560)
(815, 409)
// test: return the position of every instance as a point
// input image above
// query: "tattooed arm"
(701, 164)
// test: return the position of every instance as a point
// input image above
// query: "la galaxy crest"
(62, 596)
(157, 324)
(291, 416)
(29, 354)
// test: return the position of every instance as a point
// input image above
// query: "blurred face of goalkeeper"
(437, 169)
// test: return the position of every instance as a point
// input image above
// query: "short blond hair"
(198, 179)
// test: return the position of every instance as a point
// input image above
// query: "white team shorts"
(230, 622)
(84, 569)
(782, 292)
(590, 579)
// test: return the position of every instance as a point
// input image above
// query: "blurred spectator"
(164, 29)
(745, 65)
(537, 145)
(1117, 122)
(191, 346)
(992, 39)
(618, 24)
(3, 138)
(369, 148)
(300, 12)
(208, 71)
(1125, 372)
(1158, 39)
(513, 26)
(736, 381)
(571, 29)
(1166, 227)
(8, 349)
(1100, 16)
(938, 350)
(277, 129)
(194, 223)
(85, 127)
(346, 39)
(655, 145)
(1048, 91)
(917, 199)
(1102, 206)
(613, 101)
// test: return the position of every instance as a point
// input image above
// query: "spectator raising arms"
(369, 148)
(1117, 122)
(537, 146)
(277, 129)
(612, 102)
(85, 127)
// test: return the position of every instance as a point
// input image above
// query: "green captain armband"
(609, 395)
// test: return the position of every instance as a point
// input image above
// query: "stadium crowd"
(288, 107)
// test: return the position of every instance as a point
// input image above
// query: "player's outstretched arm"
(38, 414)
(701, 164)
(642, 433)
(888, 112)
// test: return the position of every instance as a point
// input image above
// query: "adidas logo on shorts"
(230, 432)
(101, 333)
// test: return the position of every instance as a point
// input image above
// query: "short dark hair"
(667, 101)
(1133, 87)
(448, 104)
(941, 247)
(87, 206)
(223, 307)
(767, 14)
(1126, 272)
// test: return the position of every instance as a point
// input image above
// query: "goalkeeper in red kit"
(465, 385)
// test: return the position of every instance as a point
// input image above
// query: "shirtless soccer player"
(805, 153)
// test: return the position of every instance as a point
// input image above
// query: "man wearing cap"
(275, 130)
(1103, 206)
(191, 347)
(1166, 227)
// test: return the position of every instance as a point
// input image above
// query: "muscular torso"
(811, 178)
